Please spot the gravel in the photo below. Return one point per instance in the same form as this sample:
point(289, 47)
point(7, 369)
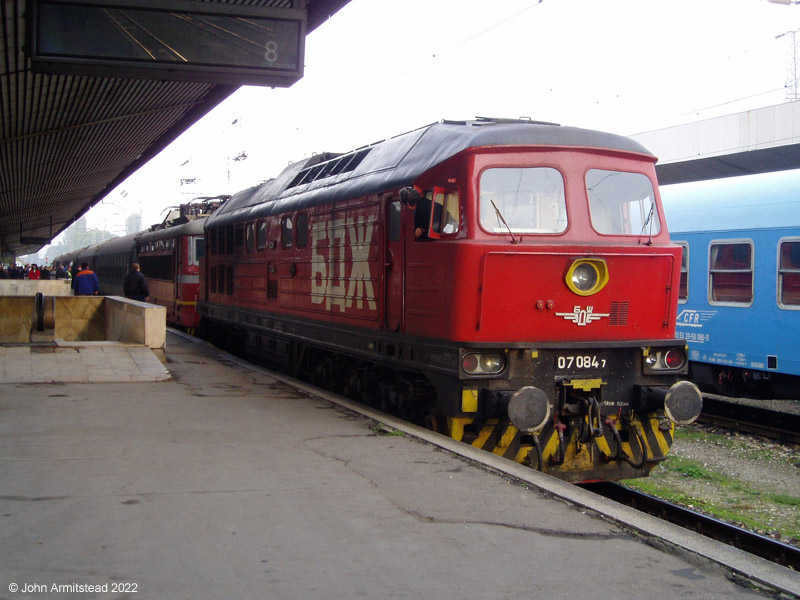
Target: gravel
point(780, 405)
point(754, 473)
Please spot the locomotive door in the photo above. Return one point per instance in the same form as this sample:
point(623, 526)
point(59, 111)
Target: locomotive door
point(394, 266)
point(177, 270)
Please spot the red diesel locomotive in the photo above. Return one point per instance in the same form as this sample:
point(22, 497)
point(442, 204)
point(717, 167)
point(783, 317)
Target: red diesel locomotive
point(509, 283)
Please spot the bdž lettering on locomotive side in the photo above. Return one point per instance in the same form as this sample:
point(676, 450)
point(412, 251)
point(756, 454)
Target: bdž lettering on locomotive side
point(330, 282)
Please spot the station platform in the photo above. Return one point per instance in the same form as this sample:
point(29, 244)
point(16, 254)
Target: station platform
point(226, 480)
point(75, 362)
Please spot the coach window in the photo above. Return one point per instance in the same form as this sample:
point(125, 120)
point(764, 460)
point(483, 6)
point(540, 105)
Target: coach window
point(522, 200)
point(731, 273)
point(286, 232)
point(302, 230)
point(789, 274)
point(622, 203)
point(683, 290)
point(251, 236)
point(261, 242)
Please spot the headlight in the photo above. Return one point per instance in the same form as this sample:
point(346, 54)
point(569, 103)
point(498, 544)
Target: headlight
point(584, 277)
point(483, 363)
point(587, 276)
point(673, 359)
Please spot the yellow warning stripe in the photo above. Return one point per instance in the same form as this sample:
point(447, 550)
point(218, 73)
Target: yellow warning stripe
point(501, 438)
point(173, 301)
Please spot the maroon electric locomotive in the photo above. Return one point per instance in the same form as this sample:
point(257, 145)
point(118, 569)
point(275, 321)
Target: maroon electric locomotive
point(509, 283)
point(169, 254)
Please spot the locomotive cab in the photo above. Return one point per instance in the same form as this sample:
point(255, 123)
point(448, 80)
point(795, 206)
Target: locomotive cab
point(559, 281)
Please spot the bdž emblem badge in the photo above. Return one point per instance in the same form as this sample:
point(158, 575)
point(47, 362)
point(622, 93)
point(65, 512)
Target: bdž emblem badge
point(582, 316)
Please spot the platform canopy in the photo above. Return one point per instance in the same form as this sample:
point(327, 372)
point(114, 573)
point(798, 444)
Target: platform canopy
point(92, 89)
point(762, 140)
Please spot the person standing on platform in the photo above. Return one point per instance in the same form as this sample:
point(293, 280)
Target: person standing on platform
point(61, 272)
point(86, 283)
point(135, 286)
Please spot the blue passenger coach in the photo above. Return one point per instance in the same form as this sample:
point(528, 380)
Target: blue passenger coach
point(739, 302)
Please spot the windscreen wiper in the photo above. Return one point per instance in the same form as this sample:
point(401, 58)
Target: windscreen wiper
point(501, 219)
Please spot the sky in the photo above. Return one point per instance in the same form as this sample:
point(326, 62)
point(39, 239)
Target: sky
point(379, 68)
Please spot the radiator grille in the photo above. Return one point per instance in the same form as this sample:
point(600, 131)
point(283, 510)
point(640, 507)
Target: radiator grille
point(619, 314)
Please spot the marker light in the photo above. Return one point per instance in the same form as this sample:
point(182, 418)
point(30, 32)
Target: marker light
point(483, 363)
point(673, 359)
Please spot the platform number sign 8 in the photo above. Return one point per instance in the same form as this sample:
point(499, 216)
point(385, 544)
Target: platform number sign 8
point(271, 51)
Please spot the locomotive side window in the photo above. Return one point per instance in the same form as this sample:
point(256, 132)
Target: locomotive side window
point(302, 230)
point(789, 274)
point(395, 220)
point(199, 249)
point(524, 200)
point(229, 240)
point(286, 232)
point(229, 281)
point(444, 220)
point(251, 237)
point(622, 203)
point(730, 273)
point(683, 291)
point(261, 241)
point(239, 237)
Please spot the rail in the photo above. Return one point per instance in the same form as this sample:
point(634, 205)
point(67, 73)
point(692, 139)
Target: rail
point(770, 423)
point(748, 541)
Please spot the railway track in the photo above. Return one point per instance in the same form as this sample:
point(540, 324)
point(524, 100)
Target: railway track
point(748, 541)
point(783, 426)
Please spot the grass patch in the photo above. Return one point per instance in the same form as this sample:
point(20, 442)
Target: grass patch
point(384, 429)
point(785, 500)
point(690, 468)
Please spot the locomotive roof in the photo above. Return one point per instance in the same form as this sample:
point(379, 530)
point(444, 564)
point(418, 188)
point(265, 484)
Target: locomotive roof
point(194, 227)
point(763, 201)
point(398, 161)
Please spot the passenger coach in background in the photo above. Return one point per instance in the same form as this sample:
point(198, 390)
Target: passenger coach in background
point(509, 283)
point(739, 306)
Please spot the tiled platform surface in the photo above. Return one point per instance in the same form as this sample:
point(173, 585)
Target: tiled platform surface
point(93, 362)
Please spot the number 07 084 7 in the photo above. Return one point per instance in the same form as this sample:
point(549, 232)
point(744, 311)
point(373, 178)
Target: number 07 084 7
point(581, 361)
